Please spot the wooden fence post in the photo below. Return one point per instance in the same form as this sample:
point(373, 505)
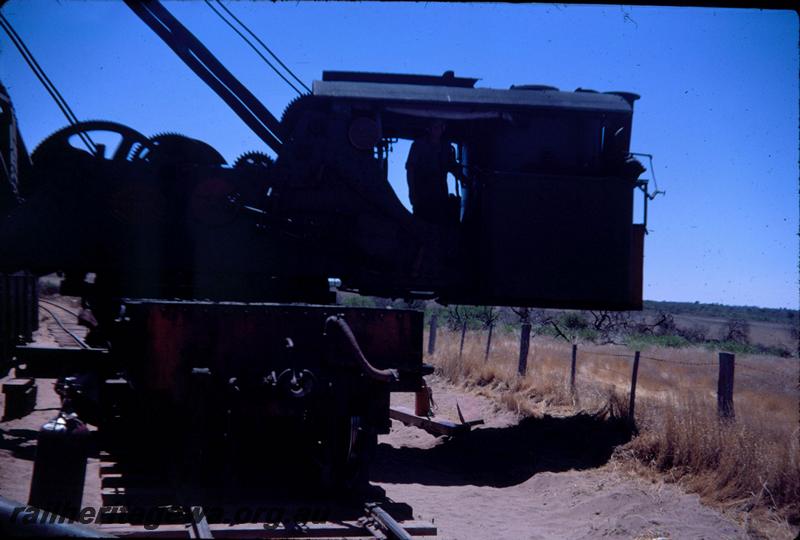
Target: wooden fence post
point(488, 343)
point(463, 334)
point(524, 344)
point(432, 335)
point(725, 386)
point(572, 368)
point(634, 376)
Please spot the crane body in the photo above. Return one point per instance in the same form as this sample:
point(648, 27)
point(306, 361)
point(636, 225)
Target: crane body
point(209, 282)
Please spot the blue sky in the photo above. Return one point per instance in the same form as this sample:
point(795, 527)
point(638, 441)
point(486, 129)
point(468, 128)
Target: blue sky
point(719, 107)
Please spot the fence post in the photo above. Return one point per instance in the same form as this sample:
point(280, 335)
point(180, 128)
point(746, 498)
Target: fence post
point(572, 368)
point(463, 334)
point(634, 376)
point(524, 343)
point(488, 343)
point(432, 335)
point(725, 386)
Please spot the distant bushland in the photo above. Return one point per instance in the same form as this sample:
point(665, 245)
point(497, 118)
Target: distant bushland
point(722, 311)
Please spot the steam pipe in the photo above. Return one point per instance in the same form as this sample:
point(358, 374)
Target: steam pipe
point(383, 375)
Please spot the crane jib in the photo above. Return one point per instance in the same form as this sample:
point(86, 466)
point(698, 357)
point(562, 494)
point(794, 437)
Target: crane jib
point(206, 66)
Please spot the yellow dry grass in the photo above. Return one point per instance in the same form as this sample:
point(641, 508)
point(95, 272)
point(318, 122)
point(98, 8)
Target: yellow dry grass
point(751, 465)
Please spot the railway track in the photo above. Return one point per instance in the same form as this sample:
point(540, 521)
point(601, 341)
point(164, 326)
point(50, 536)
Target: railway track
point(62, 324)
point(145, 502)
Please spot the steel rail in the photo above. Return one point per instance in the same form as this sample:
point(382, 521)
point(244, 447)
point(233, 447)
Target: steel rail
point(60, 307)
point(80, 342)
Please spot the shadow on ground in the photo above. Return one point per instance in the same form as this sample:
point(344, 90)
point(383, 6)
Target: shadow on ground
point(501, 457)
point(21, 442)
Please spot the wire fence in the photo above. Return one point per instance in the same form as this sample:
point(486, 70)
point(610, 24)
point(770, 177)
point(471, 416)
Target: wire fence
point(712, 363)
point(623, 364)
point(679, 362)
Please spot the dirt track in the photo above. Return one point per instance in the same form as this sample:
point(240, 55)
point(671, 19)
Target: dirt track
point(535, 478)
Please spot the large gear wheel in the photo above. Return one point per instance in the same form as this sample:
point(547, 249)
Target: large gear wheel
point(294, 111)
point(57, 145)
point(253, 159)
point(176, 148)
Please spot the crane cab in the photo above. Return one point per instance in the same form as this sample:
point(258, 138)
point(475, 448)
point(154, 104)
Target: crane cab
point(545, 205)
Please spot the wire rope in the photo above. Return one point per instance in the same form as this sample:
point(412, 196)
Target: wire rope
point(264, 58)
point(284, 66)
point(40, 74)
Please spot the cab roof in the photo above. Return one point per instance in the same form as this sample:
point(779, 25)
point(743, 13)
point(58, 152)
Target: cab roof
point(458, 92)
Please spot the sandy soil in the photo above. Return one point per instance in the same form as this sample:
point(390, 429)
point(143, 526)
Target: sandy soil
point(532, 478)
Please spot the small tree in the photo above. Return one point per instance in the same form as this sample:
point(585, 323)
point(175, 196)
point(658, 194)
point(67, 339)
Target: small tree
point(737, 331)
point(695, 334)
point(488, 316)
point(524, 338)
point(459, 318)
point(610, 325)
point(568, 326)
point(663, 324)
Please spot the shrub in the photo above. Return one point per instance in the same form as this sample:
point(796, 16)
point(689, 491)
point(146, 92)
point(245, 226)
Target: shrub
point(694, 334)
point(737, 331)
point(646, 341)
point(573, 321)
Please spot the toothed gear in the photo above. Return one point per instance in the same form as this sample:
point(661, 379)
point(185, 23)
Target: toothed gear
point(57, 145)
point(293, 111)
point(253, 159)
point(177, 148)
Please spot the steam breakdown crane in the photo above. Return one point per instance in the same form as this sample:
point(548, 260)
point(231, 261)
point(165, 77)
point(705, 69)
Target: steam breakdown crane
point(210, 283)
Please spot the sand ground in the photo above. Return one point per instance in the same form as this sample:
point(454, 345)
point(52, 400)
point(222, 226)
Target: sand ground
point(514, 479)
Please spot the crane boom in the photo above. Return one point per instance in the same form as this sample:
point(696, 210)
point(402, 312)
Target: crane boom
point(206, 66)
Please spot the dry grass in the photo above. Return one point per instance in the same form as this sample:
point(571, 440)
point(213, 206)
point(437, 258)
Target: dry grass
point(544, 385)
point(750, 466)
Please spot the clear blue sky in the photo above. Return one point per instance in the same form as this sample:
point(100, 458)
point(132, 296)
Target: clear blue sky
point(719, 107)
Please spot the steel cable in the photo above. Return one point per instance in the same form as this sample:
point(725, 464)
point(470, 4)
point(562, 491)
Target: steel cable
point(665, 361)
point(643, 357)
point(616, 355)
point(210, 70)
point(590, 367)
point(264, 58)
point(45, 80)
point(690, 364)
point(296, 78)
